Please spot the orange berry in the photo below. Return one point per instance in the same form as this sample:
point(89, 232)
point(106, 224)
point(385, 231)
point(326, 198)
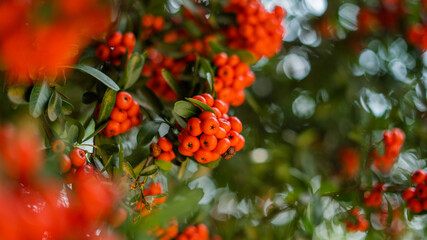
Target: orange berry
point(136, 120)
point(415, 206)
point(118, 115)
point(164, 144)
point(221, 59)
point(114, 39)
point(226, 72)
point(183, 134)
point(124, 100)
point(222, 146)
point(225, 124)
point(418, 176)
point(167, 156)
point(147, 20)
point(409, 193)
point(118, 53)
point(209, 99)
point(206, 114)
point(421, 190)
point(239, 83)
point(191, 143)
point(194, 126)
point(112, 128)
point(103, 52)
point(202, 156)
point(236, 124)
point(240, 144)
point(65, 163)
point(233, 60)
point(58, 146)
point(200, 98)
point(125, 125)
point(217, 112)
point(158, 23)
point(221, 133)
point(184, 152)
point(210, 126)
point(208, 142)
point(233, 136)
point(118, 217)
point(134, 110)
point(78, 157)
point(221, 105)
point(129, 41)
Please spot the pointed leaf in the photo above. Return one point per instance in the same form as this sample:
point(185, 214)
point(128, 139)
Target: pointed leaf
point(170, 81)
point(100, 76)
point(39, 98)
point(186, 109)
point(207, 68)
point(129, 170)
point(99, 129)
point(150, 170)
point(55, 106)
point(164, 165)
point(200, 104)
point(67, 107)
point(107, 105)
point(133, 70)
point(81, 129)
point(147, 132)
point(212, 164)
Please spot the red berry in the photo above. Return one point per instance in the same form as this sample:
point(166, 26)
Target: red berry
point(124, 100)
point(408, 194)
point(415, 206)
point(418, 176)
point(114, 39)
point(78, 157)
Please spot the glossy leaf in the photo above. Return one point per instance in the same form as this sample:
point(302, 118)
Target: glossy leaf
point(39, 98)
point(107, 105)
point(164, 165)
point(185, 109)
point(200, 104)
point(67, 107)
point(147, 132)
point(81, 129)
point(100, 76)
point(150, 170)
point(129, 170)
point(54, 107)
point(170, 81)
point(133, 70)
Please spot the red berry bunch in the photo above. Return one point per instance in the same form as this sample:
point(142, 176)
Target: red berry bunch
point(201, 47)
point(125, 115)
point(165, 152)
point(393, 141)
point(258, 31)
point(199, 232)
point(117, 45)
point(232, 77)
point(375, 197)
point(76, 158)
point(153, 70)
point(211, 135)
point(416, 197)
point(151, 24)
point(359, 223)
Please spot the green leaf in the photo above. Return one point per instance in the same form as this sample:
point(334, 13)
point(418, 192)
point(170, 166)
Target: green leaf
point(39, 98)
point(109, 149)
point(18, 94)
point(186, 109)
point(150, 170)
point(107, 105)
point(129, 170)
point(164, 165)
point(99, 129)
point(54, 106)
point(67, 107)
point(133, 70)
point(81, 129)
point(200, 104)
point(107, 164)
point(100, 76)
point(212, 164)
point(147, 132)
point(390, 213)
point(245, 56)
point(206, 67)
point(216, 48)
point(170, 81)
point(192, 29)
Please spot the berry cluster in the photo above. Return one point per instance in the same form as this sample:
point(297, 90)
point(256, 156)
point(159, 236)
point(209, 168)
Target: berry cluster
point(154, 189)
point(46, 207)
point(153, 70)
point(375, 197)
point(358, 221)
point(211, 135)
point(258, 31)
point(201, 47)
point(162, 149)
point(125, 114)
point(167, 233)
point(393, 141)
point(116, 47)
point(416, 197)
point(151, 24)
point(76, 158)
point(231, 78)
point(200, 232)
